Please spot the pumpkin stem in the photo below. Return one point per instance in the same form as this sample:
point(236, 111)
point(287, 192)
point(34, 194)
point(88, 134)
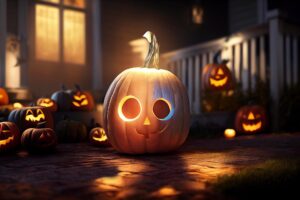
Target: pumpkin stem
point(41, 125)
point(152, 58)
point(63, 87)
point(77, 87)
point(97, 125)
point(217, 57)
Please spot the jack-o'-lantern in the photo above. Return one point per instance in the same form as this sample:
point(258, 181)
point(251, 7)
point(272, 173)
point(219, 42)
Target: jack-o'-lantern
point(229, 133)
point(146, 110)
point(217, 76)
point(4, 100)
point(47, 103)
point(81, 100)
point(250, 119)
point(98, 136)
point(30, 117)
point(63, 99)
point(9, 136)
point(39, 139)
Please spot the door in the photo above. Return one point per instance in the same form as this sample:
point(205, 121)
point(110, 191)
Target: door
point(57, 45)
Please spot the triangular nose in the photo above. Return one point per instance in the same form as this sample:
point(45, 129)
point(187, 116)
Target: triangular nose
point(251, 116)
point(147, 122)
point(220, 72)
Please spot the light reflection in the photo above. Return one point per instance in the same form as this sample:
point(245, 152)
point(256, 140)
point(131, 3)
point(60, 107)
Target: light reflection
point(166, 191)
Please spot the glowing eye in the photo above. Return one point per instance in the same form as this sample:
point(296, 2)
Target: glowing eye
point(162, 109)
point(129, 108)
point(39, 112)
point(29, 112)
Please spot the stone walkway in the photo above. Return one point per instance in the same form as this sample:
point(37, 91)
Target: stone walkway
point(80, 171)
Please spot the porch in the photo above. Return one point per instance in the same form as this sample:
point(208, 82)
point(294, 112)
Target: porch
point(265, 55)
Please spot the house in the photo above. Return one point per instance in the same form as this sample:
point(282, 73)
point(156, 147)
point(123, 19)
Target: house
point(47, 43)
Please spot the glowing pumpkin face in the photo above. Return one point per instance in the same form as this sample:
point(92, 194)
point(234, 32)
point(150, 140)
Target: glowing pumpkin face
point(98, 137)
point(250, 119)
point(30, 117)
point(216, 77)
point(4, 100)
point(146, 110)
point(47, 103)
point(9, 136)
point(81, 100)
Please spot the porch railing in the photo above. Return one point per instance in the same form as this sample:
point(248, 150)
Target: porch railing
point(268, 53)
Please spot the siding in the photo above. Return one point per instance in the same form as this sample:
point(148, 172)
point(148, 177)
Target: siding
point(242, 14)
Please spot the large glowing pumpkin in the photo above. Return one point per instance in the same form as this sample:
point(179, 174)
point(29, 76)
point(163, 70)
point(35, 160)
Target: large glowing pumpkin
point(250, 119)
point(30, 117)
point(9, 136)
point(217, 76)
point(4, 100)
point(146, 110)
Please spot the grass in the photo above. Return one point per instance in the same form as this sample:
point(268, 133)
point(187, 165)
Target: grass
point(271, 179)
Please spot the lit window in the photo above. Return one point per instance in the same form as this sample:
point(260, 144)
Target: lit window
point(74, 37)
point(47, 33)
point(52, 1)
point(75, 3)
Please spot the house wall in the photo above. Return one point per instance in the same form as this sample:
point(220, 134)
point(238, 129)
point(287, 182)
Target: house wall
point(126, 20)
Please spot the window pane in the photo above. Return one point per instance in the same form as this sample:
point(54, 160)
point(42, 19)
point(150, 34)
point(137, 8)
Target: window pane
point(46, 33)
point(75, 3)
point(52, 1)
point(74, 37)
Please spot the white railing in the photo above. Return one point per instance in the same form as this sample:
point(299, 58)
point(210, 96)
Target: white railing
point(267, 53)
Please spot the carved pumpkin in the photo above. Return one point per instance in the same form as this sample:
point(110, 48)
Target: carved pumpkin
point(146, 110)
point(217, 76)
point(30, 117)
point(39, 139)
point(98, 136)
point(9, 136)
point(250, 119)
point(71, 131)
point(4, 100)
point(47, 103)
point(229, 133)
point(81, 100)
point(63, 99)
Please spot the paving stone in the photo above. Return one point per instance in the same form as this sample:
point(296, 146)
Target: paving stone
point(80, 171)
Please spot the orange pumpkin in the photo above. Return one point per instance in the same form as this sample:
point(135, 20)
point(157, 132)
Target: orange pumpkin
point(217, 76)
point(81, 100)
point(251, 119)
point(146, 110)
point(4, 100)
point(47, 103)
point(98, 137)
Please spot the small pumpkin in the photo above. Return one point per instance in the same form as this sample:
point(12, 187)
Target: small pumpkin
point(9, 136)
point(47, 103)
point(146, 110)
point(251, 119)
point(4, 100)
point(81, 100)
point(71, 131)
point(39, 139)
point(30, 117)
point(217, 76)
point(98, 136)
point(63, 99)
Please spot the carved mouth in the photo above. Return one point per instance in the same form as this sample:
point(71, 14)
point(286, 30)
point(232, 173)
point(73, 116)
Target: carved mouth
point(78, 103)
point(156, 132)
point(46, 104)
point(7, 140)
point(35, 119)
point(218, 83)
point(252, 127)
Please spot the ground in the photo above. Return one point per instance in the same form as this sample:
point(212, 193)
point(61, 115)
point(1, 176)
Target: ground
point(80, 171)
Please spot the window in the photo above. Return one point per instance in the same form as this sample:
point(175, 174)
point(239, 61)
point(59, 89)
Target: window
point(60, 31)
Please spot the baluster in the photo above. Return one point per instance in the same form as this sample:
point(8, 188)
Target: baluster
point(253, 64)
point(295, 60)
point(288, 71)
point(262, 59)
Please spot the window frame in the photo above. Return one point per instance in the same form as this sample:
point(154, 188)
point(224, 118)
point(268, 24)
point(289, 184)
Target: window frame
point(61, 7)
